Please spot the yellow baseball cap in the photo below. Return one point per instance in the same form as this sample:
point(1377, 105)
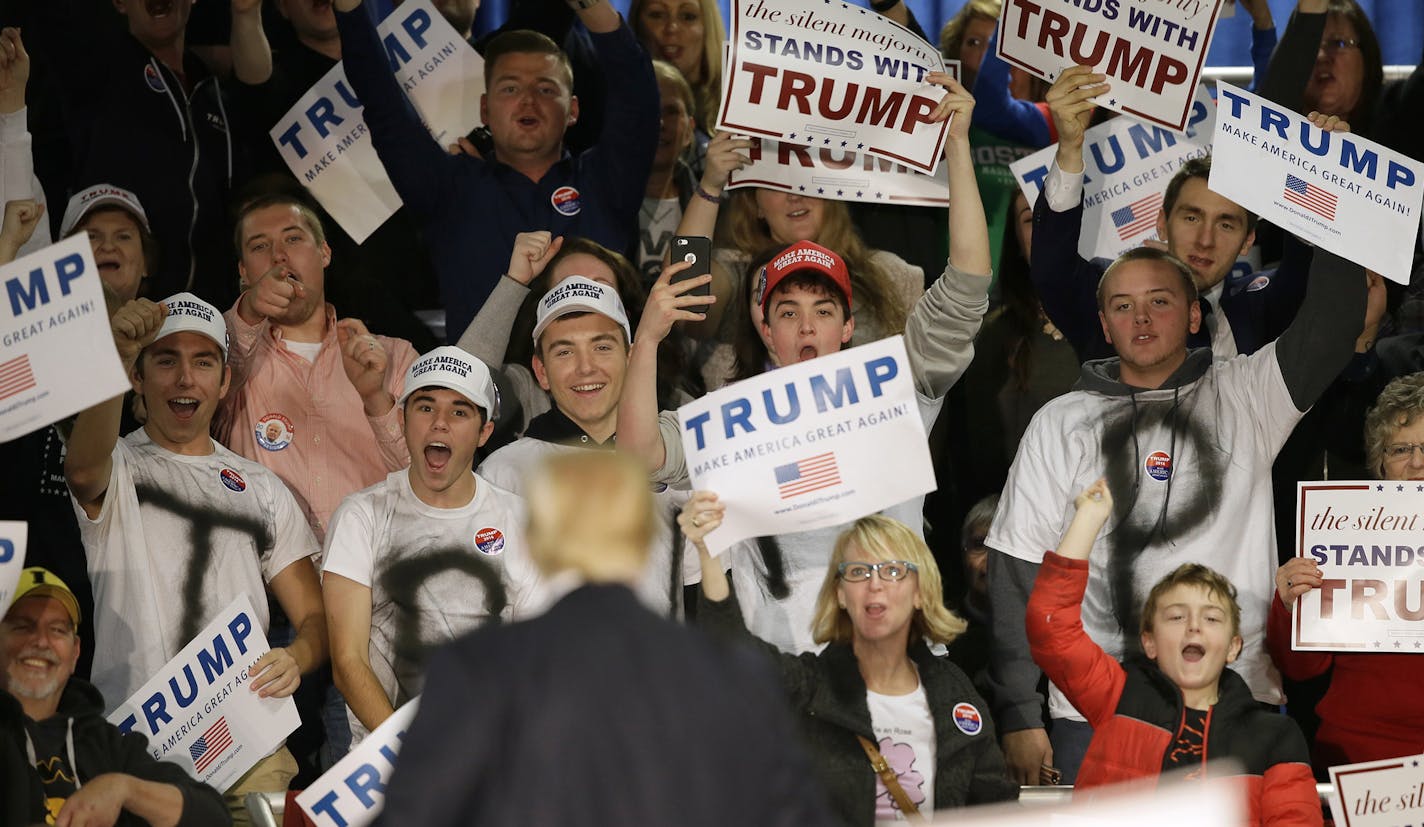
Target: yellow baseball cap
point(41, 582)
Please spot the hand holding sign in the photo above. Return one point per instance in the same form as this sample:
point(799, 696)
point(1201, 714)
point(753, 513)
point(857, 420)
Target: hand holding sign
point(532, 253)
point(276, 674)
point(700, 516)
point(14, 70)
point(670, 302)
point(725, 155)
point(958, 102)
point(135, 326)
point(1298, 576)
point(1071, 101)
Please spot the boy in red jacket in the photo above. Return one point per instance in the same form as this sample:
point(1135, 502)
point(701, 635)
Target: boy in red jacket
point(1179, 705)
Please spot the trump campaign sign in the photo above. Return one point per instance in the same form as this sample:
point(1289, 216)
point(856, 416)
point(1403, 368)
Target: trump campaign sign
point(199, 712)
point(1152, 51)
point(1350, 195)
point(353, 792)
point(57, 353)
point(832, 75)
point(1127, 164)
point(810, 445)
point(12, 557)
point(1366, 538)
point(324, 140)
point(1386, 793)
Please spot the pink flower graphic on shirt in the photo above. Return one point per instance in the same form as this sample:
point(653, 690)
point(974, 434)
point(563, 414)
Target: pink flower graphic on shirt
point(902, 758)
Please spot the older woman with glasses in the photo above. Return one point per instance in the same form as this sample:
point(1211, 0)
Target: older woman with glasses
point(1369, 711)
point(876, 705)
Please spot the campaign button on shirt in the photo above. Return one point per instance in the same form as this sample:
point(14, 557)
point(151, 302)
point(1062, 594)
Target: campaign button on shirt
point(1159, 465)
point(274, 432)
point(490, 541)
point(566, 200)
point(233, 480)
point(154, 79)
point(968, 719)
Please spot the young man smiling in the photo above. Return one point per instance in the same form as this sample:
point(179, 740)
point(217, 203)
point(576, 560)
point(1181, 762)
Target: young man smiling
point(430, 552)
point(581, 343)
point(175, 526)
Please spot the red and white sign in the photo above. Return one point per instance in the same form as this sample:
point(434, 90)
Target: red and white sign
point(1152, 53)
point(833, 76)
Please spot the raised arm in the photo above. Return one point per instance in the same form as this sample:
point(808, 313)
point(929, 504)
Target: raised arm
point(999, 112)
point(89, 459)
point(639, 431)
point(1321, 340)
point(420, 169)
point(939, 334)
point(17, 167)
point(1294, 57)
point(251, 53)
point(725, 154)
point(1090, 679)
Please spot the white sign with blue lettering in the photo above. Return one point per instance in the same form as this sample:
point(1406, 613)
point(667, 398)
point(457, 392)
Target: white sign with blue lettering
point(810, 445)
point(12, 558)
point(1364, 536)
point(199, 711)
point(1151, 53)
point(832, 76)
point(57, 354)
point(324, 139)
point(1127, 164)
point(353, 792)
point(1350, 195)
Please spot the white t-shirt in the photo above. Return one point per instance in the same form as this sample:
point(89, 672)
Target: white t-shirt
point(179, 538)
point(905, 735)
point(430, 572)
point(667, 569)
point(1193, 467)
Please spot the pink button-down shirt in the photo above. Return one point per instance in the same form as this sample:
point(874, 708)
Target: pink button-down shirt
point(304, 420)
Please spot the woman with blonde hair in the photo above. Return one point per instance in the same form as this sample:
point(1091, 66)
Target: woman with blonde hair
point(639, 719)
point(876, 690)
point(688, 34)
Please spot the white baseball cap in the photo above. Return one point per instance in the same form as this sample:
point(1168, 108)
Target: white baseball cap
point(188, 312)
point(452, 368)
point(101, 195)
point(577, 294)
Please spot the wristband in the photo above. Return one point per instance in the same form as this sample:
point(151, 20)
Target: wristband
point(707, 196)
point(882, 6)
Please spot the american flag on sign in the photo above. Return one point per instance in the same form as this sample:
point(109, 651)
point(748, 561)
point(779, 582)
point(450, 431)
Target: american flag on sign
point(1138, 217)
point(16, 376)
point(210, 745)
point(1318, 200)
point(810, 474)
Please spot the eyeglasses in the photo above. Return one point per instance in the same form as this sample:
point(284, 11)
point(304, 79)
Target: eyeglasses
point(1336, 44)
point(1401, 451)
point(889, 571)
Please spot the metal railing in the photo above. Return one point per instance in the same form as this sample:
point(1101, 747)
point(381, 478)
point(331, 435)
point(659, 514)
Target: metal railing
point(1041, 796)
point(1241, 75)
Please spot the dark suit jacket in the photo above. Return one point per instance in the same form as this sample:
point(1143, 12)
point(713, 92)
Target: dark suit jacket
point(600, 713)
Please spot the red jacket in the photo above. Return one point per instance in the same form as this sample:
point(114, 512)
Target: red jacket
point(1135, 710)
point(1371, 710)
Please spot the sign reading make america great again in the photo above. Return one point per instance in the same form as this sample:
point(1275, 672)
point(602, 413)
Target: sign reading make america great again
point(200, 712)
point(353, 792)
point(832, 75)
point(810, 445)
point(1151, 50)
